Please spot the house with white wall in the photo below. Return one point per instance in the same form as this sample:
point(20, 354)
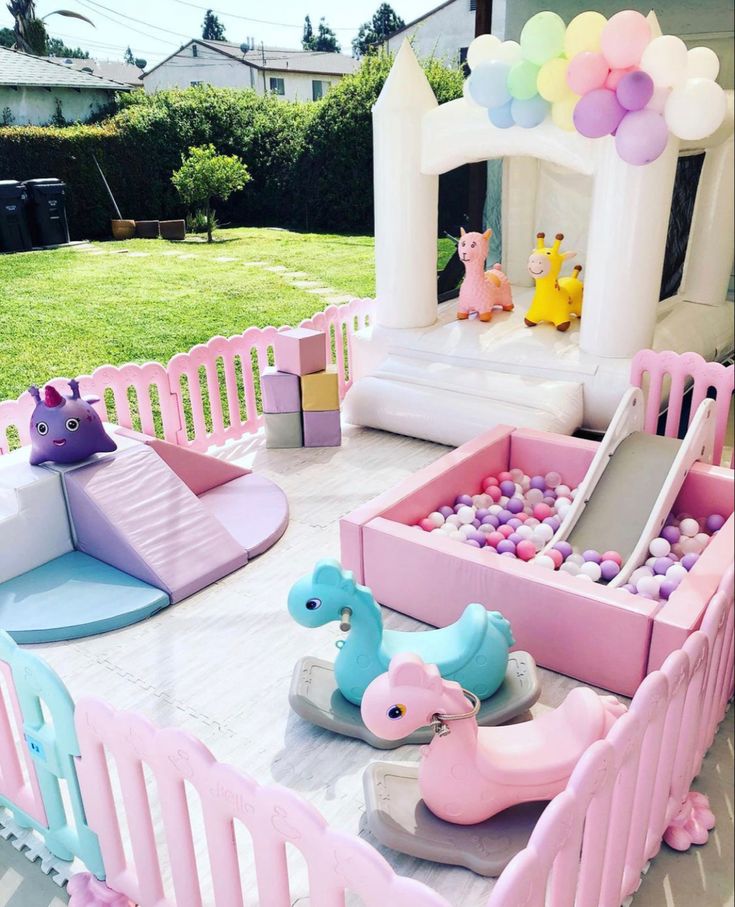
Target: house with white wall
point(444, 32)
point(34, 91)
point(294, 75)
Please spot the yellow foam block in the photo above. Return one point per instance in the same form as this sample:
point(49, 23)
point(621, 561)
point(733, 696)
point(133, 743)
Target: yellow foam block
point(320, 391)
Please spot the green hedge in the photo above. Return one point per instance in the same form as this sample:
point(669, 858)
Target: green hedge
point(311, 163)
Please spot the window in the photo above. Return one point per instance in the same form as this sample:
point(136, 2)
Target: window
point(463, 61)
point(277, 86)
point(194, 50)
point(319, 89)
point(195, 84)
point(473, 6)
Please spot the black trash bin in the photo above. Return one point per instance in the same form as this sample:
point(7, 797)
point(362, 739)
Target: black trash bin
point(15, 235)
point(48, 212)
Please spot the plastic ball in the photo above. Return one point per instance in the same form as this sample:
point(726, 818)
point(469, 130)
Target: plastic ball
point(671, 534)
point(476, 523)
point(665, 60)
point(538, 482)
point(609, 570)
point(525, 550)
point(463, 499)
point(505, 530)
point(629, 587)
point(556, 557)
point(640, 572)
point(504, 477)
point(571, 569)
point(695, 109)
point(472, 543)
point(488, 481)
point(502, 116)
point(494, 493)
point(648, 585)
point(584, 33)
point(641, 137)
point(562, 113)
point(659, 547)
point(714, 522)
point(542, 511)
point(624, 38)
point(575, 559)
point(505, 547)
point(552, 479)
point(427, 525)
point(666, 589)
point(489, 84)
point(676, 573)
point(466, 514)
point(467, 530)
point(612, 556)
point(585, 576)
point(545, 561)
point(542, 37)
point(689, 527)
point(552, 80)
point(436, 518)
point(689, 560)
point(508, 487)
point(525, 532)
point(564, 548)
point(635, 90)
point(586, 72)
point(591, 569)
point(490, 520)
point(482, 50)
point(702, 539)
point(702, 62)
point(661, 565)
point(598, 113)
point(514, 523)
point(529, 113)
point(479, 537)
point(591, 556)
point(494, 538)
point(494, 509)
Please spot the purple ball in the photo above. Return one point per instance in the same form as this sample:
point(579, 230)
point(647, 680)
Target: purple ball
point(473, 542)
point(476, 523)
point(480, 538)
point(689, 560)
point(635, 90)
point(505, 515)
point(714, 522)
point(671, 534)
point(515, 505)
point(591, 555)
point(506, 547)
point(609, 570)
point(482, 513)
point(446, 511)
point(508, 488)
point(565, 548)
point(514, 523)
point(667, 588)
point(548, 500)
point(538, 482)
point(661, 565)
point(515, 538)
point(641, 137)
point(598, 113)
point(629, 587)
point(490, 520)
point(463, 500)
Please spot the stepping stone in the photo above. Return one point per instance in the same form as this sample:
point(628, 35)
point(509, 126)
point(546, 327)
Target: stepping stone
point(305, 284)
point(139, 254)
point(322, 291)
point(182, 257)
point(277, 269)
point(338, 300)
point(254, 264)
point(224, 258)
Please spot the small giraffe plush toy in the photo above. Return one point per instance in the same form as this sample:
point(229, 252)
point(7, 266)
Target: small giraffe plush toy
point(556, 298)
point(481, 290)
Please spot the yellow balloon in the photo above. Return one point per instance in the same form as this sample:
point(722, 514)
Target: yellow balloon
point(552, 80)
point(562, 112)
point(583, 33)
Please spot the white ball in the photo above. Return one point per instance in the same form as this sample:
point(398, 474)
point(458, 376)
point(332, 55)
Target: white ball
point(574, 493)
point(703, 539)
point(562, 491)
point(571, 569)
point(525, 483)
point(703, 62)
point(516, 474)
point(689, 527)
point(647, 585)
point(591, 569)
point(543, 560)
point(503, 501)
point(659, 547)
point(436, 518)
point(453, 520)
point(494, 509)
point(640, 573)
point(467, 530)
point(676, 573)
point(519, 490)
point(532, 522)
point(695, 109)
point(665, 60)
point(543, 531)
point(483, 49)
point(477, 501)
point(575, 558)
point(525, 532)
point(651, 561)
point(584, 576)
point(439, 529)
point(534, 496)
point(466, 514)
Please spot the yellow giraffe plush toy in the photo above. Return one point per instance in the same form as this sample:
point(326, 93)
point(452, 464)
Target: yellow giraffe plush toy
point(556, 299)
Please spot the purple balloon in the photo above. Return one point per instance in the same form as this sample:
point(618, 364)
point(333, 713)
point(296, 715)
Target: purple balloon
point(598, 113)
point(635, 90)
point(641, 137)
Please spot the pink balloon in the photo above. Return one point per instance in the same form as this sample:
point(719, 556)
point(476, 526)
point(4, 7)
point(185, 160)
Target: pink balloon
point(659, 98)
point(635, 90)
point(613, 80)
point(598, 113)
point(641, 137)
point(624, 38)
point(587, 71)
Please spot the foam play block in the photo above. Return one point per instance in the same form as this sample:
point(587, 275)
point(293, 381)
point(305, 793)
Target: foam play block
point(72, 596)
point(34, 527)
point(283, 430)
point(281, 391)
point(322, 429)
point(320, 391)
point(133, 512)
point(300, 351)
point(252, 509)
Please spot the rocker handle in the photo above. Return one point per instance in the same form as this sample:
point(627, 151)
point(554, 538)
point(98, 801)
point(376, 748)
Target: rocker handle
point(345, 620)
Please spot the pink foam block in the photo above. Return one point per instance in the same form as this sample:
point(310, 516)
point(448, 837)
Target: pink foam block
point(281, 391)
point(301, 351)
point(322, 429)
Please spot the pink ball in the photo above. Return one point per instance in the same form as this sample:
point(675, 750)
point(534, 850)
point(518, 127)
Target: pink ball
point(587, 71)
point(624, 38)
point(488, 481)
point(505, 530)
point(494, 492)
point(493, 538)
point(427, 525)
point(542, 511)
point(612, 556)
point(525, 550)
point(598, 113)
point(556, 556)
point(504, 477)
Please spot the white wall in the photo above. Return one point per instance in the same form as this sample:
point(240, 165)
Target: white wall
point(441, 35)
point(36, 106)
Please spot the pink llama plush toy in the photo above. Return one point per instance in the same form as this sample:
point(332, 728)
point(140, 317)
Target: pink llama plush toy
point(481, 290)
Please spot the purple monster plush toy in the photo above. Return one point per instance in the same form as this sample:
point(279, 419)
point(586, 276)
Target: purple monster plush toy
point(65, 429)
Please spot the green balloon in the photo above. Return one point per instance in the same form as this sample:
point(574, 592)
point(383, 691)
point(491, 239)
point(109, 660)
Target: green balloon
point(522, 80)
point(543, 37)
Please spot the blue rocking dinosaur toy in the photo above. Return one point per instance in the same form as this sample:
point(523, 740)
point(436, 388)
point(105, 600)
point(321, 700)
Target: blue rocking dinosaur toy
point(473, 651)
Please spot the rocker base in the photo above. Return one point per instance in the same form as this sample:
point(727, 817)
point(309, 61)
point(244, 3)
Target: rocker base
point(314, 697)
point(397, 818)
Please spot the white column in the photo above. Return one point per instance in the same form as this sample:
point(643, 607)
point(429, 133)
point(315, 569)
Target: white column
point(406, 201)
point(520, 182)
point(709, 256)
point(625, 251)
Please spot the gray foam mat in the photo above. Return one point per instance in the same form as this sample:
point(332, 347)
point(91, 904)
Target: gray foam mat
point(314, 697)
point(397, 817)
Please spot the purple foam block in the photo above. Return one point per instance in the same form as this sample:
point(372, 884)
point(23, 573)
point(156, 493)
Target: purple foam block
point(281, 391)
point(322, 429)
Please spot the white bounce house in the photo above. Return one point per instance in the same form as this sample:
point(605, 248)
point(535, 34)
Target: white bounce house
point(421, 372)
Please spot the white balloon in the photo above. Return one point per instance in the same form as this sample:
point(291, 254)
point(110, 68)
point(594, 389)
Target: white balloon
point(509, 52)
point(665, 60)
point(702, 62)
point(482, 50)
point(695, 109)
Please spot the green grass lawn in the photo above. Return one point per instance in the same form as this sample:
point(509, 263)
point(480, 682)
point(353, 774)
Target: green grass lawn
point(65, 313)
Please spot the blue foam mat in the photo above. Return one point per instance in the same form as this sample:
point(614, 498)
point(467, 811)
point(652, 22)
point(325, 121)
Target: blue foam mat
point(73, 596)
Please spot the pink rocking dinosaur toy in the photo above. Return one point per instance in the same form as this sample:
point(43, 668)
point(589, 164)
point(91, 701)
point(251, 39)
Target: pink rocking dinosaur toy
point(469, 774)
point(481, 290)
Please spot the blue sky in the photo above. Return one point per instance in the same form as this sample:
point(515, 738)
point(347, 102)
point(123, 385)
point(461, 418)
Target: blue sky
point(163, 25)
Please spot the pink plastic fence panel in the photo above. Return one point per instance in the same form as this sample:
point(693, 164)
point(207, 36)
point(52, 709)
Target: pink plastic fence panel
point(16, 414)
point(274, 817)
point(684, 370)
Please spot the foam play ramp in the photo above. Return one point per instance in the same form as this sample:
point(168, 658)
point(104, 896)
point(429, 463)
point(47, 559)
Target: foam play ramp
point(314, 696)
point(398, 818)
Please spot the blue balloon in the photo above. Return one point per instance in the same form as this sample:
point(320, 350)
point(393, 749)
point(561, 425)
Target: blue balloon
point(489, 83)
point(529, 113)
point(501, 116)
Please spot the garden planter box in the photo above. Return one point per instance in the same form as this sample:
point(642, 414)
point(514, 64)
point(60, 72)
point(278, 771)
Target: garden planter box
point(147, 229)
point(173, 229)
point(602, 636)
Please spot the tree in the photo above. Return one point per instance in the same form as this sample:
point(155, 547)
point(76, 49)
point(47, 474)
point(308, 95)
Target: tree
point(324, 40)
point(57, 48)
point(307, 38)
point(372, 34)
point(29, 32)
point(205, 175)
point(7, 38)
point(128, 57)
point(212, 28)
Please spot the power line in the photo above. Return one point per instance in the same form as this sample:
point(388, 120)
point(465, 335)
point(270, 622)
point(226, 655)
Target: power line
point(92, 9)
point(220, 12)
point(139, 21)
